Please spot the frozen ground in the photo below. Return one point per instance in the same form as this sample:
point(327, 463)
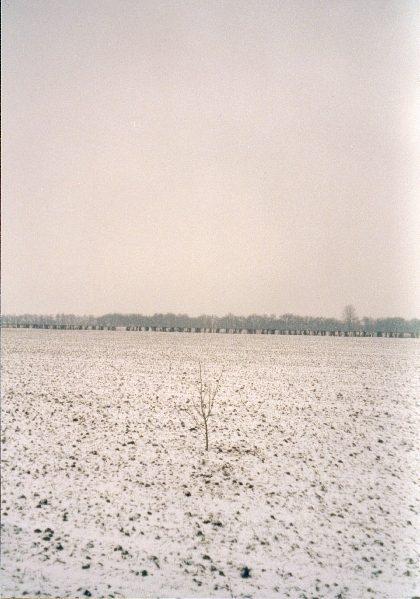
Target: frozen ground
point(309, 481)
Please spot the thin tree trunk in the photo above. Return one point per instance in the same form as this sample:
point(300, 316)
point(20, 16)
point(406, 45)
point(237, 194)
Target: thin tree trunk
point(207, 435)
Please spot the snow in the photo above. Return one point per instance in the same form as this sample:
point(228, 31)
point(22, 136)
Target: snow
point(310, 481)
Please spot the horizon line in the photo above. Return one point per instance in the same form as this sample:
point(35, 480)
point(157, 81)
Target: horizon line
point(198, 315)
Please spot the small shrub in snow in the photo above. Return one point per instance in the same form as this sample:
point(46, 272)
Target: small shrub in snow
point(204, 410)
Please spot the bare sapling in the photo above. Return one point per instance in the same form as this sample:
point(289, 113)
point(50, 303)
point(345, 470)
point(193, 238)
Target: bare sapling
point(207, 396)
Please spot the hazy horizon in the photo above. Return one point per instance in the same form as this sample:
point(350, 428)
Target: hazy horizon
point(210, 157)
point(339, 317)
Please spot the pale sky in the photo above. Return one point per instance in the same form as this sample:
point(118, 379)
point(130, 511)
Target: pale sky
point(210, 156)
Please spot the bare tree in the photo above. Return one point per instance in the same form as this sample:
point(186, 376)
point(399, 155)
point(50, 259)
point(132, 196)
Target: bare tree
point(207, 396)
point(350, 317)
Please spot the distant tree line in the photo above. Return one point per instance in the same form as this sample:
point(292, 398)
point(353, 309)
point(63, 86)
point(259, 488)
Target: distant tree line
point(349, 322)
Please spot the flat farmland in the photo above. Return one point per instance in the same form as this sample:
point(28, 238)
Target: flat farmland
point(308, 488)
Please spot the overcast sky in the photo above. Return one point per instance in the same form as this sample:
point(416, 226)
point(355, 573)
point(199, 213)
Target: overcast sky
point(209, 156)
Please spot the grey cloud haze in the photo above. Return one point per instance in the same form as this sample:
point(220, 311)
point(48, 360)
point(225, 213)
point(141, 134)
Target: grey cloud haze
point(209, 156)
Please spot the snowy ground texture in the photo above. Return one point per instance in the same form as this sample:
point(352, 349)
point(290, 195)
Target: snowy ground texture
point(309, 481)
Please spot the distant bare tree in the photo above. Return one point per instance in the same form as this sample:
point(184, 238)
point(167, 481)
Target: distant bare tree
point(350, 317)
point(207, 396)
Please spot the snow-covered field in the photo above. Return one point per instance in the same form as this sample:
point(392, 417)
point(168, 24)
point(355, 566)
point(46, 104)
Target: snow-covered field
point(309, 481)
